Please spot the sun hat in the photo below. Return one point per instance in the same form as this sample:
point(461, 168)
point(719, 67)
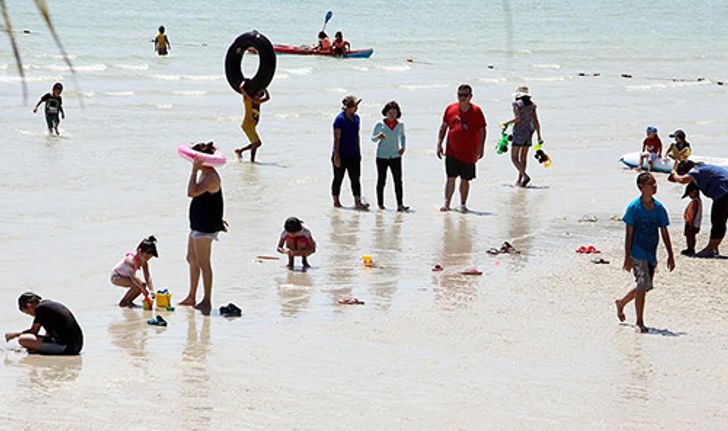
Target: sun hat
point(521, 91)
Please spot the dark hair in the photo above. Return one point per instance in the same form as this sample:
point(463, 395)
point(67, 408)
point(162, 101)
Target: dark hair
point(391, 105)
point(643, 177)
point(58, 86)
point(464, 87)
point(207, 148)
point(28, 298)
point(685, 166)
point(161, 29)
point(149, 245)
point(338, 34)
point(526, 100)
point(322, 35)
point(293, 224)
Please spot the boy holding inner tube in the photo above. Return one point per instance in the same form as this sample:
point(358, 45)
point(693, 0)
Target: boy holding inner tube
point(251, 119)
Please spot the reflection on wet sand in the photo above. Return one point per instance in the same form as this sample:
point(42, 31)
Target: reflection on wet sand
point(387, 248)
point(49, 372)
point(454, 290)
point(131, 334)
point(344, 246)
point(294, 292)
point(197, 405)
point(523, 208)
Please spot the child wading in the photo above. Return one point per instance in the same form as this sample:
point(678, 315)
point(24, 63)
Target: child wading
point(161, 42)
point(251, 104)
point(124, 273)
point(298, 242)
point(644, 217)
point(53, 107)
point(693, 217)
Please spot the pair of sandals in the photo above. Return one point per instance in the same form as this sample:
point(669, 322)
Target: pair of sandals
point(505, 248)
point(157, 321)
point(230, 310)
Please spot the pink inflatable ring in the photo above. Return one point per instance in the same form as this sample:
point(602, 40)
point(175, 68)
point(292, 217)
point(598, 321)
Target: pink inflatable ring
point(211, 160)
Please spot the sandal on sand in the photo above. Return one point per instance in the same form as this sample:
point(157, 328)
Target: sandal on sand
point(437, 268)
point(472, 271)
point(230, 310)
point(157, 321)
point(706, 254)
point(600, 261)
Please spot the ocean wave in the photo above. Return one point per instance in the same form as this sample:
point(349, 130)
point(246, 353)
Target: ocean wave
point(188, 77)
point(298, 71)
point(666, 84)
point(421, 86)
point(555, 66)
point(164, 106)
point(286, 116)
point(337, 90)
point(63, 68)
point(189, 93)
point(119, 93)
point(492, 80)
point(54, 56)
point(402, 68)
point(281, 75)
point(3, 67)
point(142, 66)
point(544, 79)
point(16, 79)
point(361, 68)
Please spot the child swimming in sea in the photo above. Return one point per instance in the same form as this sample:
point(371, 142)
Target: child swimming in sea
point(298, 242)
point(53, 107)
point(251, 104)
point(124, 273)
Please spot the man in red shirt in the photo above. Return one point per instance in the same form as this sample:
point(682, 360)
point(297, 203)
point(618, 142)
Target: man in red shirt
point(464, 124)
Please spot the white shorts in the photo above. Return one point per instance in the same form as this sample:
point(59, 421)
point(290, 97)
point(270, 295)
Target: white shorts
point(197, 234)
point(650, 156)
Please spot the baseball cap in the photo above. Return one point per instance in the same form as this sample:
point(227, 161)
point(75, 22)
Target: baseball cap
point(350, 101)
point(651, 129)
point(677, 132)
point(689, 188)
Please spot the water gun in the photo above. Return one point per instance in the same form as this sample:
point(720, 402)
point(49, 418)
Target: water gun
point(541, 155)
point(502, 145)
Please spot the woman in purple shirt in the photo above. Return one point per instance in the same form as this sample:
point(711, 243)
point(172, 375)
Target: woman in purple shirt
point(713, 182)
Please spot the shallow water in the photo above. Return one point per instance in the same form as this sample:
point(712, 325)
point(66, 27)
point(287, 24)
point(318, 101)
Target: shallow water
point(519, 347)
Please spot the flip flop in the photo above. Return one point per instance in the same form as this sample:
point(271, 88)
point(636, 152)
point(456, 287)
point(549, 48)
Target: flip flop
point(230, 310)
point(437, 268)
point(472, 271)
point(600, 261)
point(706, 254)
point(350, 300)
point(157, 321)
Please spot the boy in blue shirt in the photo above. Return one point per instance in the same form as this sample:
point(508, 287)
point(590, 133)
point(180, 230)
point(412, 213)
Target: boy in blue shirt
point(644, 217)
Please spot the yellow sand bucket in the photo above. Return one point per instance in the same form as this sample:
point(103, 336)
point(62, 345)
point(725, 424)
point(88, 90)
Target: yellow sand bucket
point(367, 261)
point(164, 300)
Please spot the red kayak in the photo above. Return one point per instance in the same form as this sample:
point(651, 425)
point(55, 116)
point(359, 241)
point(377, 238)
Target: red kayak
point(306, 50)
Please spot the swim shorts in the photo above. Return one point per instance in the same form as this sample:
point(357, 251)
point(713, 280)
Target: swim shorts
point(455, 168)
point(644, 273)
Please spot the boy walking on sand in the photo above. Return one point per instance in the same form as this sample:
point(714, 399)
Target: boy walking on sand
point(643, 218)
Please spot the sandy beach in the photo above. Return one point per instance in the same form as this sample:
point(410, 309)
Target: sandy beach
point(532, 343)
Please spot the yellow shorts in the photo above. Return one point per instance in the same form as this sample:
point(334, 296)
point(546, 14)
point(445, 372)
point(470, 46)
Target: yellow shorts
point(250, 132)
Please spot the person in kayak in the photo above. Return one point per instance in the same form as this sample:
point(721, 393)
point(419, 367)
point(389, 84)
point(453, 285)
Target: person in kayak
point(324, 43)
point(251, 119)
point(341, 47)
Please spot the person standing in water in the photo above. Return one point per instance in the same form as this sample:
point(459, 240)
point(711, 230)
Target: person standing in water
point(346, 156)
point(390, 139)
point(206, 222)
point(464, 124)
point(251, 103)
point(53, 108)
point(525, 122)
point(161, 42)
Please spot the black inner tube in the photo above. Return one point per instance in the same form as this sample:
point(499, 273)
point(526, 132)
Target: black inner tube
point(234, 62)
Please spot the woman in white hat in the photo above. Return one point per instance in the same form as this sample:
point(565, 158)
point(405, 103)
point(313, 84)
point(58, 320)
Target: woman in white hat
point(525, 121)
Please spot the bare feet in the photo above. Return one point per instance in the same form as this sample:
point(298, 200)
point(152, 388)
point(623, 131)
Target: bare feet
point(239, 154)
point(204, 307)
point(337, 202)
point(445, 208)
point(381, 207)
point(641, 328)
point(305, 264)
point(525, 181)
point(464, 209)
point(129, 305)
point(189, 301)
point(620, 311)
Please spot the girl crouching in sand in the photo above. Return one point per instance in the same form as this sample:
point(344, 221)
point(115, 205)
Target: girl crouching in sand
point(298, 242)
point(124, 274)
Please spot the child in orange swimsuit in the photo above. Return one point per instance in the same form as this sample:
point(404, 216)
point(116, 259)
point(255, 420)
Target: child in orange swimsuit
point(298, 242)
point(251, 119)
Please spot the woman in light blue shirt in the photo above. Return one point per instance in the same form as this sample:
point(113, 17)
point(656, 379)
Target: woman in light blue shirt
point(390, 139)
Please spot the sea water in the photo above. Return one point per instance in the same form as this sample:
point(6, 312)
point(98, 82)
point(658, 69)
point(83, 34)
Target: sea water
point(71, 206)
